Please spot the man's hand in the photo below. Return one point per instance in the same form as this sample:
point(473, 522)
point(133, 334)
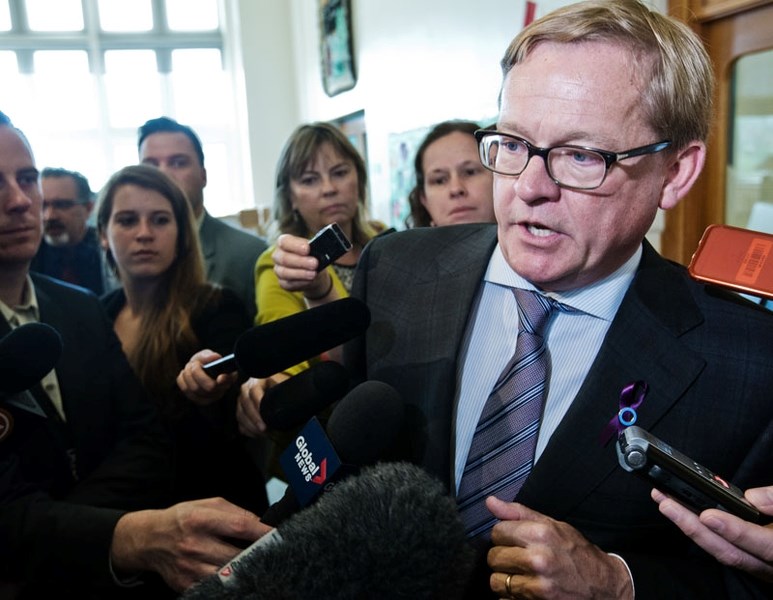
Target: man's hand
point(183, 543)
point(549, 558)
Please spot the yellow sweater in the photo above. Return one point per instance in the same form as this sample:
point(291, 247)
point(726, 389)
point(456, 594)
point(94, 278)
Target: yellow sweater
point(274, 303)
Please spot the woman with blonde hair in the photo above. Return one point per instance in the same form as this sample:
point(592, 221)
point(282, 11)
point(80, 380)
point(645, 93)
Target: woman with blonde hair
point(320, 179)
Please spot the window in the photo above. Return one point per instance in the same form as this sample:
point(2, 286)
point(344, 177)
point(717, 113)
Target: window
point(80, 76)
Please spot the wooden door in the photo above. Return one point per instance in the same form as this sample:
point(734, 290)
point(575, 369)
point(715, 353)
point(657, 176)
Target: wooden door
point(731, 29)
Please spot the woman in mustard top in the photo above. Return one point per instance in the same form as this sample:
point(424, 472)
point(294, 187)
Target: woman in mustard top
point(321, 179)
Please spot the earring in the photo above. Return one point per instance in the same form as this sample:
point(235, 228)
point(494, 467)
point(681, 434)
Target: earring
point(296, 216)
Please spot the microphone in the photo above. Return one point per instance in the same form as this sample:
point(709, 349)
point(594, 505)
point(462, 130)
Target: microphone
point(277, 345)
point(290, 404)
point(362, 429)
point(27, 354)
point(390, 532)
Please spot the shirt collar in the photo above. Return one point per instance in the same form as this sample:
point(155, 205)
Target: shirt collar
point(25, 311)
point(600, 299)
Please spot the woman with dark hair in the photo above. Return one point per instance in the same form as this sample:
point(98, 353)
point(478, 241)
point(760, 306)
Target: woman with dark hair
point(164, 312)
point(452, 186)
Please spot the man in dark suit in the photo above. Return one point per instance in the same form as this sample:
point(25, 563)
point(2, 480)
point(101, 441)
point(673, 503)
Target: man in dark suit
point(571, 223)
point(84, 466)
point(229, 253)
point(70, 248)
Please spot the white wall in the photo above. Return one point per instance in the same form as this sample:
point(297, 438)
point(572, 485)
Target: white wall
point(418, 62)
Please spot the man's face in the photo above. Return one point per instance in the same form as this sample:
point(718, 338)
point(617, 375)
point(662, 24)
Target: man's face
point(20, 201)
point(583, 94)
point(174, 154)
point(64, 215)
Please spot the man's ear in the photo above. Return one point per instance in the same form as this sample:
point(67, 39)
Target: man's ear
point(683, 170)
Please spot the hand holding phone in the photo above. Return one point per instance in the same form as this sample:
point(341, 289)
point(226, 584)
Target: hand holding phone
point(677, 475)
point(329, 244)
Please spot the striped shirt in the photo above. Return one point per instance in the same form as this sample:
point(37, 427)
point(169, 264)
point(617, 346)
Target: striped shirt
point(573, 341)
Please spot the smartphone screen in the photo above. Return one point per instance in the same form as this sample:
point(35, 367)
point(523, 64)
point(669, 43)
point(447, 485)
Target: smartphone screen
point(735, 258)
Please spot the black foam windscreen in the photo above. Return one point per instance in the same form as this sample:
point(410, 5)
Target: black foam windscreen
point(27, 354)
point(363, 428)
point(278, 345)
point(290, 404)
point(389, 532)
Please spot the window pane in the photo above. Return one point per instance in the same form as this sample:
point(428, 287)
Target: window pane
point(65, 92)
point(120, 15)
point(17, 96)
point(5, 16)
point(750, 158)
point(55, 15)
point(133, 87)
point(192, 71)
point(8, 64)
point(192, 15)
point(79, 151)
point(219, 196)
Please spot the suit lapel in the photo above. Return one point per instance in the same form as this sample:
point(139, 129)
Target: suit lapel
point(208, 240)
point(642, 345)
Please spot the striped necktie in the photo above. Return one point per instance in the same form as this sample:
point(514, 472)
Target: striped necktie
point(502, 450)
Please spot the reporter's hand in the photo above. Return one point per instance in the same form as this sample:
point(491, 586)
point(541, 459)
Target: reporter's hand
point(183, 543)
point(549, 558)
point(199, 387)
point(297, 271)
point(731, 540)
point(251, 394)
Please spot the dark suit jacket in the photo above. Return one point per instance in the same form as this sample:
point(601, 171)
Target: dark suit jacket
point(230, 255)
point(83, 264)
point(210, 458)
point(706, 355)
point(63, 486)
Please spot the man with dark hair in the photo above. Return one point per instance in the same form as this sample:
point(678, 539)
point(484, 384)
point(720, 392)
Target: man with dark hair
point(84, 465)
point(70, 249)
point(230, 254)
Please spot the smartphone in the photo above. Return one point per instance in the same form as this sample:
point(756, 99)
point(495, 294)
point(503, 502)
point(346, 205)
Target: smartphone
point(328, 244)
point(677, 475)
point(735, 258)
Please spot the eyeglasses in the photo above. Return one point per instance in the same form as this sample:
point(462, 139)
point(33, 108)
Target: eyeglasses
point(573, 167)
point(60, 204)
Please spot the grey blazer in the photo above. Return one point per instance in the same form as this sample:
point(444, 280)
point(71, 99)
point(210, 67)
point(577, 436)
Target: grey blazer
point(706, 354)
point(230, 255)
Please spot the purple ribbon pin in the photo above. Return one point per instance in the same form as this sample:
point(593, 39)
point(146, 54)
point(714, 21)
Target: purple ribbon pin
point(631, 397)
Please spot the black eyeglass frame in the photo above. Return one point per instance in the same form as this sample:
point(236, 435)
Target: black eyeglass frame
point(610, 158)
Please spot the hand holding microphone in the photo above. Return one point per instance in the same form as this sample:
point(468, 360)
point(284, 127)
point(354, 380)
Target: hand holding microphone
point(275, 346)
point(200, 387)
point(27, 354)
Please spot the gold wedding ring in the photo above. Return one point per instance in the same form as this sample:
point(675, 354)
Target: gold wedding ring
point(507, 585)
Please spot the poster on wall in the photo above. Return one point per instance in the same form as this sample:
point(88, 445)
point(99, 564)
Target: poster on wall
point(402, 150)
point(336, 47)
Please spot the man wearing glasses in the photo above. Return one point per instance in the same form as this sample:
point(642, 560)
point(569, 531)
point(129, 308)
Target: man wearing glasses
point(518, 345)
point(70, 249)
